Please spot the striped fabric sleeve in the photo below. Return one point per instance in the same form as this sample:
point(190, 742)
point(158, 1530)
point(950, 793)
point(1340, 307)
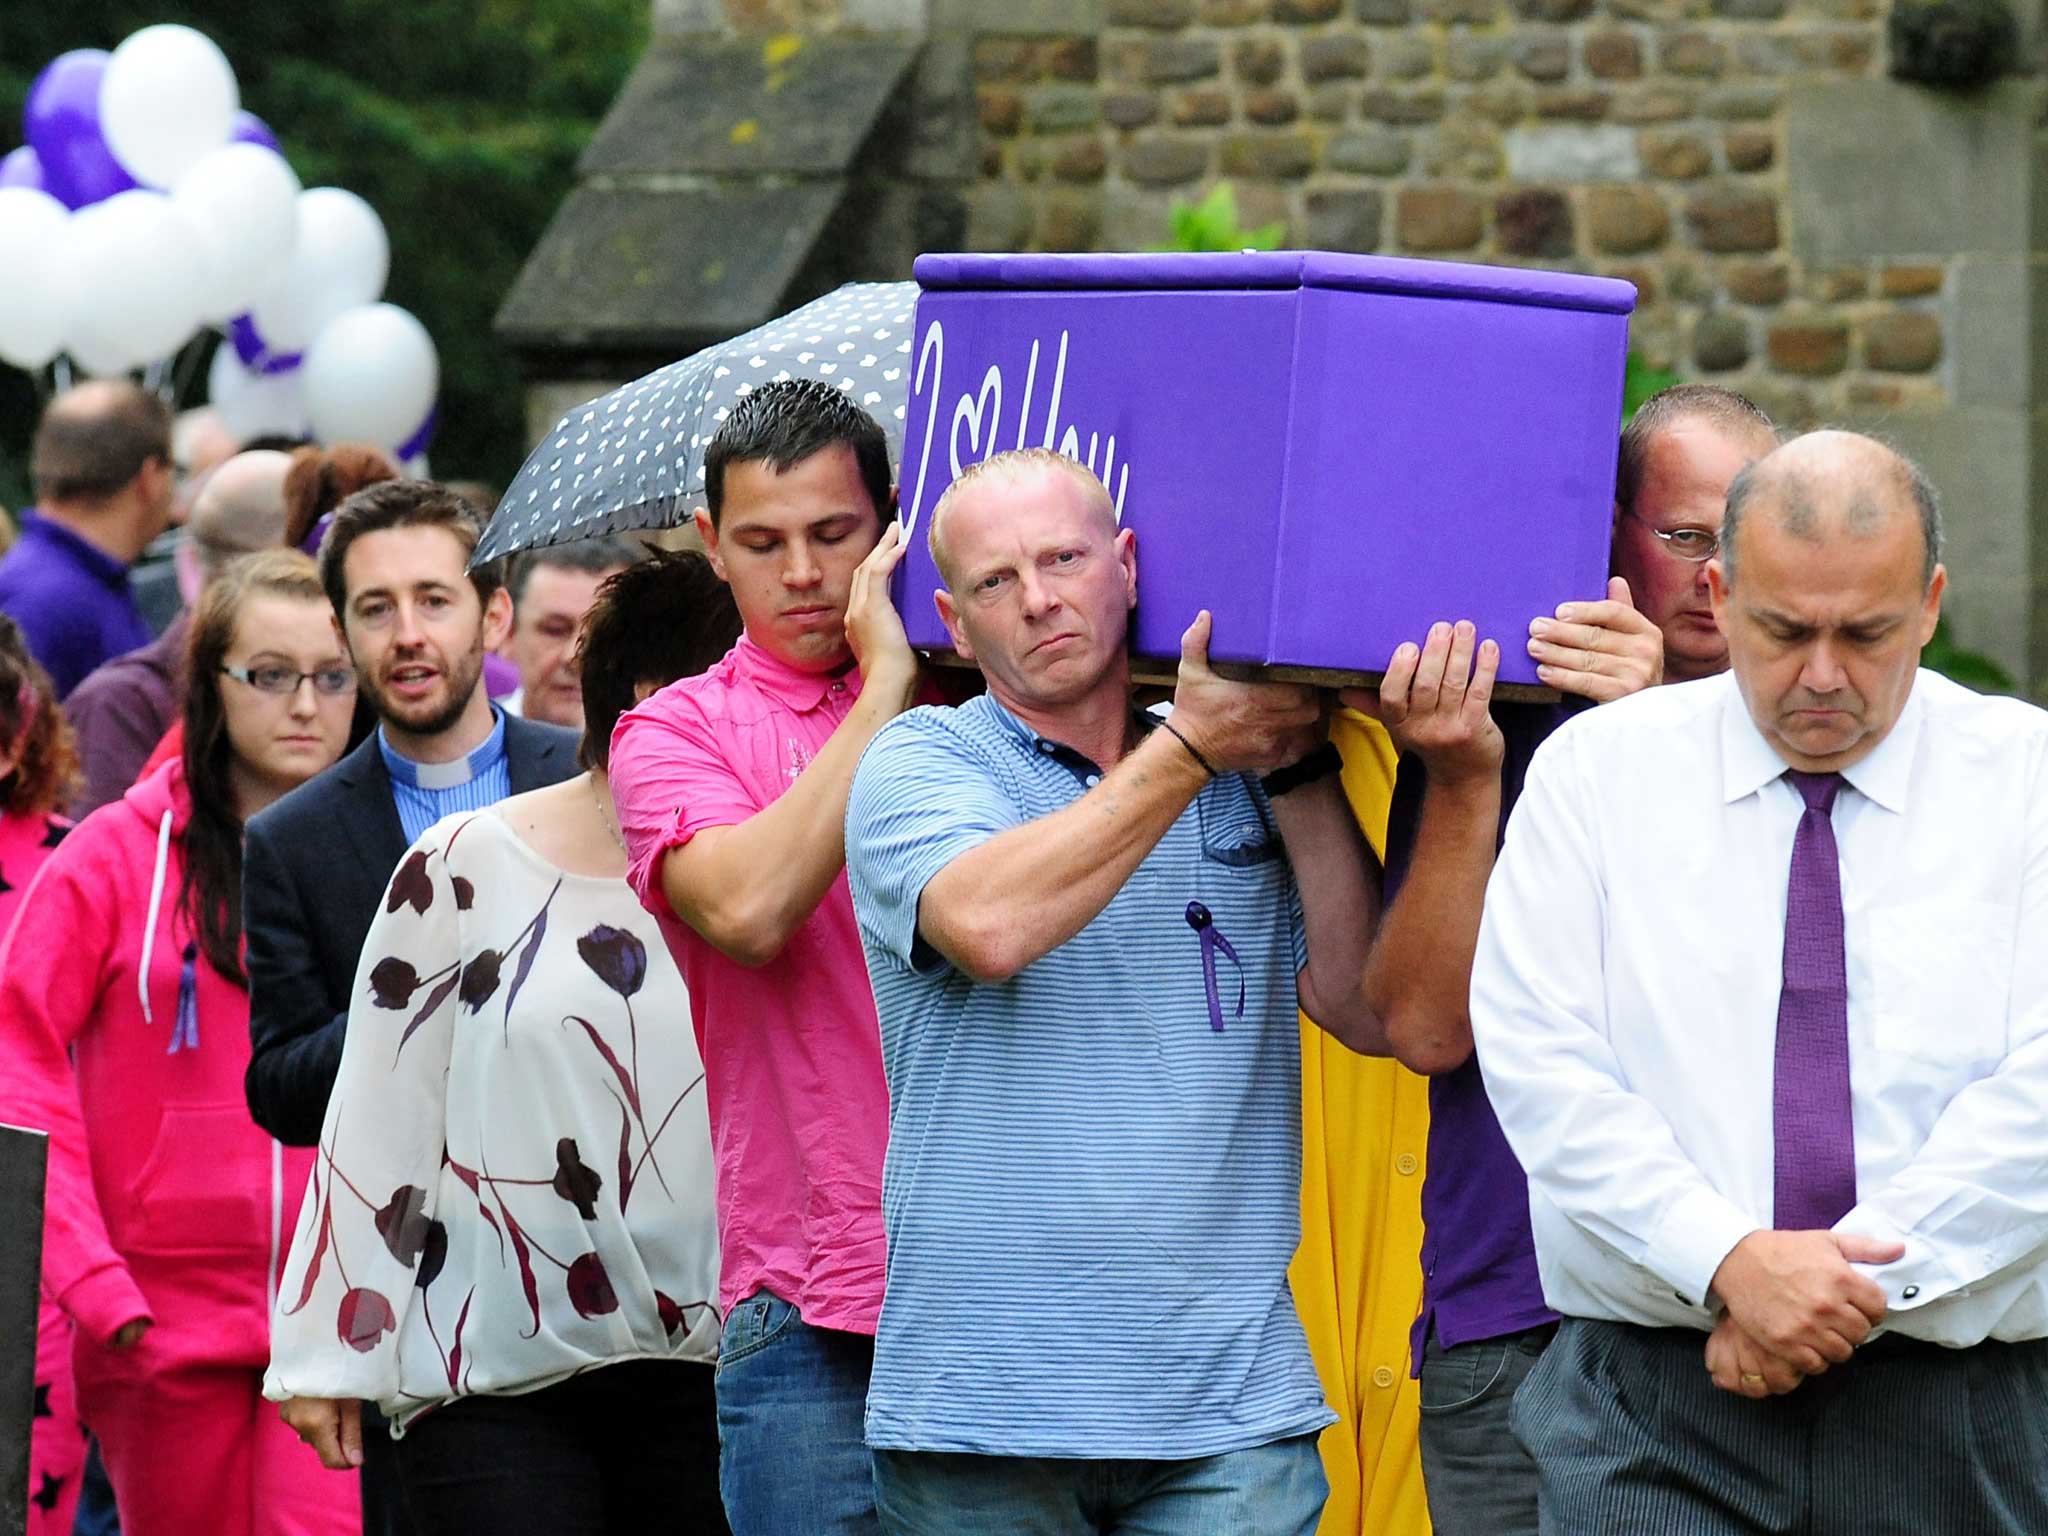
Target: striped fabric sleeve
point(921, 797)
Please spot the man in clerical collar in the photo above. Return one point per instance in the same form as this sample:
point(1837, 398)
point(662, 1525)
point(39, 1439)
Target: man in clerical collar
point(418, 622)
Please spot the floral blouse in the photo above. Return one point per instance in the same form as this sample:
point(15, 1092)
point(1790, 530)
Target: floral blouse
point(514, 1181)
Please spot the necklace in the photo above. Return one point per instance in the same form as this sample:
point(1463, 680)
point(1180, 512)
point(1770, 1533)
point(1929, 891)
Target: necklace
point(610, 825)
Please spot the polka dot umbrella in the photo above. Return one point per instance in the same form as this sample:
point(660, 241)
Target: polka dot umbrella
point(635, 458)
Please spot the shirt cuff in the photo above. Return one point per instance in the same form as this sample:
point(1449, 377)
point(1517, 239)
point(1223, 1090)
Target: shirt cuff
point(104, 1301)
point(1700, 1230)
point(1916, 1277)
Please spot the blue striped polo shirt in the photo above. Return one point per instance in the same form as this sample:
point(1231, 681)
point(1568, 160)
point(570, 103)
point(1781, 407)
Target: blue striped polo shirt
point(1091, 1193)
point(425, 792)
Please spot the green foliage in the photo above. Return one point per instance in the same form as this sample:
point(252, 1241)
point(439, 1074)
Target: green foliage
point(1973, 669)
point(1640, 382)
point(459, 120)
point(1211, 225)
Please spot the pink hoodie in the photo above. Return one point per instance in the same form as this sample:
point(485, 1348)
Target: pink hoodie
point(163, 1198)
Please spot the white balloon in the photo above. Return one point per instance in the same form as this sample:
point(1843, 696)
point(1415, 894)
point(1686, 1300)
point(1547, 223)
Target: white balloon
point(32, 237)
point(239, 203)
point(340, 258)
point(168, 96)
point(253, 405)
point(371, 377)
point(131, 282)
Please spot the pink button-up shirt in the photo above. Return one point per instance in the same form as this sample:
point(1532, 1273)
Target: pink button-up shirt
point(792, 1056)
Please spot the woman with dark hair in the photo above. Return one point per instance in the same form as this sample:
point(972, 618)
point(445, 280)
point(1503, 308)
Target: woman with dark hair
point(510, 1244)
point(320, 480)
point(37, 769)
point(166, 1207)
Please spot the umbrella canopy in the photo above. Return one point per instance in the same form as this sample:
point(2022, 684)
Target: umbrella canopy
point(635, 458)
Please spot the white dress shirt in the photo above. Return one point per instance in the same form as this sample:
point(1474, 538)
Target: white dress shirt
point(1625, 1003)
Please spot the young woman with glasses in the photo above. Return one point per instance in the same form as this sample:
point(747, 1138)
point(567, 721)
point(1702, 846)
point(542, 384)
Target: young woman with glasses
point(124, 1024)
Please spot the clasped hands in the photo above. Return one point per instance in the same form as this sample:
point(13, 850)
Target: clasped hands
point(1794, 1307)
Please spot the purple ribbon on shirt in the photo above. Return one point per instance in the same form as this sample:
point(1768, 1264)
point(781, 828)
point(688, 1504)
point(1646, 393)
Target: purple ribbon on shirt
point(1204, 924)
point(185, 1028)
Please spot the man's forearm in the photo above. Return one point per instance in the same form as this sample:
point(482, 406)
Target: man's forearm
point(1025, 892)
point(290, 1076)
point(747, 888)
point(1418, 978)
point(1339, 881)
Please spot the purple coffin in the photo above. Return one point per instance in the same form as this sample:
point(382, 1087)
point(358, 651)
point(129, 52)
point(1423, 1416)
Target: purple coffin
point(1328, 452)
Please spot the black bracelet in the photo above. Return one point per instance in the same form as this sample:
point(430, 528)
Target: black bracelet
point(1207, 766)
point(1319, 764)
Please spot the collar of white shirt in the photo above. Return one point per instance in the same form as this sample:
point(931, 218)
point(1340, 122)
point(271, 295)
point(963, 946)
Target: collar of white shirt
point(1749, 762)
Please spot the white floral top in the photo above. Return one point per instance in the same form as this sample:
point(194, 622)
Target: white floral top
point(515, 1180)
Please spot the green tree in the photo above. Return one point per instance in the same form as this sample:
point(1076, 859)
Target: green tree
point(459, 120)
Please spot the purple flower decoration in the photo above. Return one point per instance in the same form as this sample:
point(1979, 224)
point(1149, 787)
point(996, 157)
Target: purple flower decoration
point(393, 982)
point(617, 956)
point(480, 979)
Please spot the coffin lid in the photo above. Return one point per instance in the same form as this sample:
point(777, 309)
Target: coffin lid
point(1238, 271)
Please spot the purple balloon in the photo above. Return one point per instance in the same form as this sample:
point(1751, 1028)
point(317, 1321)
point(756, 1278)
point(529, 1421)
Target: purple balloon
point(251, 129)
point(21, 168)
point(62, 124)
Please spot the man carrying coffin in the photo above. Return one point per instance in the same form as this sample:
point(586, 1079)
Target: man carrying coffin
point(1761, 1002)
point(1087, 932)
point(1483, 1322)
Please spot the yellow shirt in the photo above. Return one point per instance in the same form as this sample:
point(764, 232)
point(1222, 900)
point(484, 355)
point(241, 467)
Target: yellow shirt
point(1358, 1276)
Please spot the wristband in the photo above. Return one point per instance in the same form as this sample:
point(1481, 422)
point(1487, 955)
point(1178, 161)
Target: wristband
point(1319, 764)
point(1168, 727)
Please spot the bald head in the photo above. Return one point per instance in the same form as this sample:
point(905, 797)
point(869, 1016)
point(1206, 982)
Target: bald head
point(1831, 485)
point(241, 509)
point(95, 439)
point(1007, 472)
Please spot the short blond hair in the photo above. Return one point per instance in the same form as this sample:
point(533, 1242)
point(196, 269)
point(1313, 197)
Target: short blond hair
point(1010, 467)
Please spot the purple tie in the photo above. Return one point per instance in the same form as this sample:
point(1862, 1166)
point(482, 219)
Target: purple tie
point(1815, 1183)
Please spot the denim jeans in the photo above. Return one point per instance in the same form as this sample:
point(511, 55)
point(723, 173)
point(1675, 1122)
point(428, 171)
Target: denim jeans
point(1270, 1490)
point(792, 1403)
point(1478, 1479)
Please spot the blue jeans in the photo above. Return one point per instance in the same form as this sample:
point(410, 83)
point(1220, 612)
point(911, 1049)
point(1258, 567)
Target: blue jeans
point(792, 1401)
point(1270, 1490)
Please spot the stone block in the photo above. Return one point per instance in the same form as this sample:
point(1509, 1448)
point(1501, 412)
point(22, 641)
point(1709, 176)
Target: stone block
point(1042, 18)
point(1233, 13)
point(1463, 149)
point(1005, 59)
point(1814, 348)
point(1675, 156)
point(1474, 56)
point(1553, 10)
point(1749, 10)
point(1750, 149)
point(1626, 221)
point(1762, 283)
point(1268, 156)
point(1571, 106)
point(1179, 60)
point(1402, 107)
point(1129, 109)
point(1329, 103)
point(1504, 102)
point(1720, 342)
point(1201, 109)
point(1569, 154)
point(1853, 148)
point(1534, 221)
point(1271, 108)
point(1160, 15)
point(1732, 219)
point(1334, 56)
point(1072, 58)
point(1158, 161)
point(1344, 219)
point(1304, 13)
point(999, 217)
point(1613, 56)
point(1698, 54)
point(1837, 285)
point(1910, 282)
point(1904, 341)
point(1063, 108)
point(1367, 151)
point(1653, 103)
point(1082, 160)
point(1743, 103)
point(1136, 219)
point(1071, 221)
point(1543, 56)
point(1381, 13)
point(1002, 112)
point(1687, 280)
point(1439, 219)
point(1643, 277)
point(1791, 53)
point(1406, 58)
point(1462, 13)
point(1258, 61)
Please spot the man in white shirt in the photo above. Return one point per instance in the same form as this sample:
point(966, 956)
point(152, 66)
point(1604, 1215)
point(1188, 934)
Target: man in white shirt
point(1762, 1003)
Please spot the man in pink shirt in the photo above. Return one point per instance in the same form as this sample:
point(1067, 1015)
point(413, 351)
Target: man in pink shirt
point(731, 791)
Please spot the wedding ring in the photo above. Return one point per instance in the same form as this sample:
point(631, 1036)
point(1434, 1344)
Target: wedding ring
point(1754, 1376)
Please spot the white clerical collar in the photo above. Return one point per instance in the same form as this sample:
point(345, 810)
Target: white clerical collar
point(438, 776)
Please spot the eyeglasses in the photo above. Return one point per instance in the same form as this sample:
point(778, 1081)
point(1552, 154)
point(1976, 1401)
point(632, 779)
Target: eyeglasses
point(1691, 544)
point(284, 681)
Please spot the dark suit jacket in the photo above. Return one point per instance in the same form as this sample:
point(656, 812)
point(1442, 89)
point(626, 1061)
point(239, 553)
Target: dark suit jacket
point(314, 868)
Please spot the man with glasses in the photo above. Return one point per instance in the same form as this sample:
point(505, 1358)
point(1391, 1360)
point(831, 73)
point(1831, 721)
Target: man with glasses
point(1484, 1321)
